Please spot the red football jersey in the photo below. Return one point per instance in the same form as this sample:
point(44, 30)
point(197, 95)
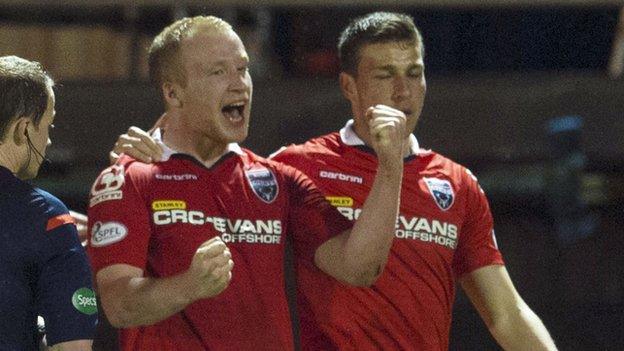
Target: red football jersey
point(154, 216)
point(444, 230)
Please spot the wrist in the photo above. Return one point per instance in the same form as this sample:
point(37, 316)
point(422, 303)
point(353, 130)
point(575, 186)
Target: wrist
point(390, 168)
point(187, 289)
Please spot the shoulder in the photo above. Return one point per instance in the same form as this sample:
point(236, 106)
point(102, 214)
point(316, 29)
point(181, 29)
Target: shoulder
point(43, 213)
point(254, 161)
point(125, 168)
point(458, 173)
point(32, 202)
point(434, 159)
point(52, 204)
point(115, 180)
point(282, 171)
point(135, 168)
point(58, 225)
point(329, 143)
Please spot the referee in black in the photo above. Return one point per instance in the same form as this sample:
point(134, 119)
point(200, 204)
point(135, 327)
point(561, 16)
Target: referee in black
point(43, 268)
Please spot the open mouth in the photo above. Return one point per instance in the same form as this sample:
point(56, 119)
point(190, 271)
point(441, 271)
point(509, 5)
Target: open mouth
point(234, 111)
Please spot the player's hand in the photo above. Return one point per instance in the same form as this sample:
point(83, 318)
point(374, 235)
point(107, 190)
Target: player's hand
point(138, 144)
point(211, 269)
point(387, 130)
point(81, 225)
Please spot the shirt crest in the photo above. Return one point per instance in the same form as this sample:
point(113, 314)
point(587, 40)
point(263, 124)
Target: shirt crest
point(442, 192)
point(263, 184)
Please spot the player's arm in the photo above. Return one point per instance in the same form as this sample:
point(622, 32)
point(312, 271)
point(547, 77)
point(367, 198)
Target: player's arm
point(359, 255)
point(510, 320)
point(76, 345)
point(130, 299)
point(119, 256)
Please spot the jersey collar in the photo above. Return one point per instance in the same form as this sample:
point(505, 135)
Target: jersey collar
point(168, 152)
point(6, 173)
point(348, 137)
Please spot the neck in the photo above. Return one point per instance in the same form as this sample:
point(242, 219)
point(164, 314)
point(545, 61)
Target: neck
point(186, 140)
point(9, 158)
point(362, 131)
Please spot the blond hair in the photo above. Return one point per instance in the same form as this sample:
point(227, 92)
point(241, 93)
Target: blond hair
point(165, 48)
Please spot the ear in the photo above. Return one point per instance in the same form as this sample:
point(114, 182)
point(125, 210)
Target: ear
point(18, 130)
point(347, 85)
point(172, 92)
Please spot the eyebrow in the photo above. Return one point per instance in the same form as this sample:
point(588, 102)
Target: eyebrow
point(219, 63)
point(392, 68)
point(209, 66)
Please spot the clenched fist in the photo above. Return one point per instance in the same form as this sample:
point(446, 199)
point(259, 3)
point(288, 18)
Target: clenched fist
point(388, 137)
point(211, 269)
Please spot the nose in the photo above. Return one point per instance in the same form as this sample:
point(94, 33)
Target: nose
point(240, 81)
point(401, 89)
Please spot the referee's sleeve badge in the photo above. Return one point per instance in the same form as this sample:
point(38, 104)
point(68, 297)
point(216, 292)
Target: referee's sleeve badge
point(58, 221)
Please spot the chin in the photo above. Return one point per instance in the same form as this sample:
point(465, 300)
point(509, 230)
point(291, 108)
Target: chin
point(239, 139)
point(238, 136)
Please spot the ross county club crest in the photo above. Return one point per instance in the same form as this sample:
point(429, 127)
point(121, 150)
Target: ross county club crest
point(263, 183)
point(442, 192)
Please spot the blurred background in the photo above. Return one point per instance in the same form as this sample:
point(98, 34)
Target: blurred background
point(527, 94)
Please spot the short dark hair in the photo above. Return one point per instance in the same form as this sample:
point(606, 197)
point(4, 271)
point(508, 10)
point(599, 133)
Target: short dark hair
point(373, 28)
point(23, 90)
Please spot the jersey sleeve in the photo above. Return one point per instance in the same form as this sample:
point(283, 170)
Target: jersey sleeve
point(65, 296)
point(312, 220)
point(477, 245)
point(119, 228)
